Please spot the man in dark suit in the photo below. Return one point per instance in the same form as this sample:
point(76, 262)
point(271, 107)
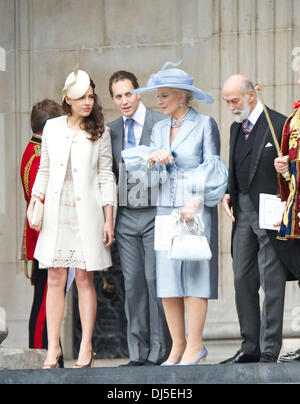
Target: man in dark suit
point(254, 252)
point(147, 333)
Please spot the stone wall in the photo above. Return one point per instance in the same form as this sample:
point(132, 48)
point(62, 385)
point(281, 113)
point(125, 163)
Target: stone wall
point(42, 40)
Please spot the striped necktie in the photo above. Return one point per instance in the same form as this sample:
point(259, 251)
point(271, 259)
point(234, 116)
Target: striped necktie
point(246, 130)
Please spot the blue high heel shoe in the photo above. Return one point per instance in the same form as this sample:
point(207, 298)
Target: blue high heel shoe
point(169, 363)
point(200, 358)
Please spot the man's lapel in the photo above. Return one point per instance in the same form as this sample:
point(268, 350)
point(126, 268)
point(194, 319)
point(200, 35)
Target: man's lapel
point(147, 128)
point(234, 133)
point(262, 130)
point(119, 140)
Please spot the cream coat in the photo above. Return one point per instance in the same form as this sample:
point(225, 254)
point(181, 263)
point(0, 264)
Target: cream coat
point(94, 187)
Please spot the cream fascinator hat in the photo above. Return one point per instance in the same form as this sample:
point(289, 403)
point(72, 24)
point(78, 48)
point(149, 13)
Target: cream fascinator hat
point(76, 85)
point(174, 78)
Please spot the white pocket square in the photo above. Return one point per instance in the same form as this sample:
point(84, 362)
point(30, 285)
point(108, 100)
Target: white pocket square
point(269, 145)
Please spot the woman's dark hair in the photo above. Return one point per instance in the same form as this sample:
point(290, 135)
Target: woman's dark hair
point(41, 112)
point(94, 123)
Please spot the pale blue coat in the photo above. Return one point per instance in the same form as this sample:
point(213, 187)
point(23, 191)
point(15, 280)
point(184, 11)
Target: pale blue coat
point(197, 169)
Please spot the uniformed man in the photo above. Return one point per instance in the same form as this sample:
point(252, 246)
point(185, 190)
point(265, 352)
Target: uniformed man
point(289, 189)
point(41, 112)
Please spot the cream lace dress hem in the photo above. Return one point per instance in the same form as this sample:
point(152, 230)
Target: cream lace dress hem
point(68, 250)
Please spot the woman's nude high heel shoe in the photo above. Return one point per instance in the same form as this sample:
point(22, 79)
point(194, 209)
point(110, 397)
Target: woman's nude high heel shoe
point(89, 365)
point(48, 366)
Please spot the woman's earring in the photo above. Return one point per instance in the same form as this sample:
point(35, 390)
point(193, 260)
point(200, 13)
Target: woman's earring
point(180, 105)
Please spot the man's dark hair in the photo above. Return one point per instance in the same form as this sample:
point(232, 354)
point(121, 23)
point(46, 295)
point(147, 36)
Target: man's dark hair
point(41, 112)
point(122, 75)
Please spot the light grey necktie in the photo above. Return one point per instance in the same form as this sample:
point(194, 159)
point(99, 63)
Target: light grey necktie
point(130, 135)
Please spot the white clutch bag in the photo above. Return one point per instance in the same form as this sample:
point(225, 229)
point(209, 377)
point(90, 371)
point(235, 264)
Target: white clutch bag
point(38, 212)
point(191, 245)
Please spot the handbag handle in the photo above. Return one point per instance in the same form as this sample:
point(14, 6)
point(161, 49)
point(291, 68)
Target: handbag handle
point(195, 227)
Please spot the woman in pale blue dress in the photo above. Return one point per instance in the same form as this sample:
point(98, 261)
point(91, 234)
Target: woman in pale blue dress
point(192, 178)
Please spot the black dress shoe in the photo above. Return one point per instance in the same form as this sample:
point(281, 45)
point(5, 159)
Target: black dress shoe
point(291, 357)
point(241, 357)
point(133, 363)
point(149, 363)
point(268, 357)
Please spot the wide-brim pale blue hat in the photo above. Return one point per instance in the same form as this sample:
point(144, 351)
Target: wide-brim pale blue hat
point(174, 78)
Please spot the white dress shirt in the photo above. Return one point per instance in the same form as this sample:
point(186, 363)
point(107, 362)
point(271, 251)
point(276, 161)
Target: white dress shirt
point(255, 114)
point(139, 120)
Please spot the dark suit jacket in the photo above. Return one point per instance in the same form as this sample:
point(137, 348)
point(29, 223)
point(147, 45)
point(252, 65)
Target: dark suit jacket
point(117, 141)
point(262, 176)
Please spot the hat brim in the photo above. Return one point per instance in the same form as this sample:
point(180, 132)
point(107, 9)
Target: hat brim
point(198, 94)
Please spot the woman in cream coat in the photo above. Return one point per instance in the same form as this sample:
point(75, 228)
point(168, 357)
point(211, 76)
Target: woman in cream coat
point(75, 178)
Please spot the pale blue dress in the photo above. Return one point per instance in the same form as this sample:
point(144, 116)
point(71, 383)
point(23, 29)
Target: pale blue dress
point(197, 170)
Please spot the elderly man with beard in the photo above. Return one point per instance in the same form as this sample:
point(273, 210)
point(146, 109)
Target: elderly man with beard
point(255, 261)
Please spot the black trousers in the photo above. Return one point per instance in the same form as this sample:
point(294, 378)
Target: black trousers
point(38, 337)
point(256, 264)
point(37, 322)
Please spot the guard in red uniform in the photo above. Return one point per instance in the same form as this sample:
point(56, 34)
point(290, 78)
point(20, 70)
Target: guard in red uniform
point(289, 191)
point(29, 167)
point(41, 112)
point(288, 168)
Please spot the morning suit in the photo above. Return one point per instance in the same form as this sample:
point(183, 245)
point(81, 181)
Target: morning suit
point(197, 169)
point(147, 333)
point(255, 261)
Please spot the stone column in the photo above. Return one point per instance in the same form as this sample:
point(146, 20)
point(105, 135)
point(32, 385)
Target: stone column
point(3, 327)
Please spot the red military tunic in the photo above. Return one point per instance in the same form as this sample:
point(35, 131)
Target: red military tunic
point(29, 168)
point(37, 323)
point(290, 190)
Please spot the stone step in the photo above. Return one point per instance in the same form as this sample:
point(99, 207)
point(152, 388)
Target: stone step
point(134, 377)
point(33, 359)
point(11, 358)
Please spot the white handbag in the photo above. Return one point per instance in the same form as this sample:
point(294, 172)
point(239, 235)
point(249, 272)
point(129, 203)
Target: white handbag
point(191, 245)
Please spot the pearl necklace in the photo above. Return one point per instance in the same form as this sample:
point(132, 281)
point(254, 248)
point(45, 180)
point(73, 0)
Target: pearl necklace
point(177, 124)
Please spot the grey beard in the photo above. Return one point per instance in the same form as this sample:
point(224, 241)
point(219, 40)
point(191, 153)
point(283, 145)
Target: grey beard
point(242, 114)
